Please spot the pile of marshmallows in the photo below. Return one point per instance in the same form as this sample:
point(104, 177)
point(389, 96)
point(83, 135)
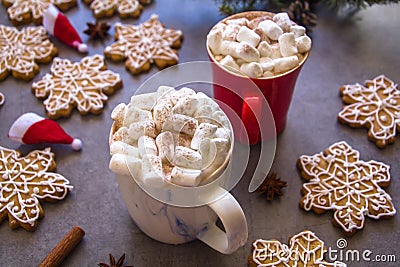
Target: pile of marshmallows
point(262, 47)
point(177, 136)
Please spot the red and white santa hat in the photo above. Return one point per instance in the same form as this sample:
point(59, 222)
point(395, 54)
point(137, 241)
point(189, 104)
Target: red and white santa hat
point(57, 24)
point(31, 128)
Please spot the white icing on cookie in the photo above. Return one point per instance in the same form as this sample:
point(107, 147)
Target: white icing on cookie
point(83, 84)
point(23, 183)
point(143, 44)
point(19, 10)
point(125, 8)
point(347, 185)
point(375, 106)
point(20, 49)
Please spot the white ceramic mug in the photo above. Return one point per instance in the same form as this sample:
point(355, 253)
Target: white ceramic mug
point(175, 224)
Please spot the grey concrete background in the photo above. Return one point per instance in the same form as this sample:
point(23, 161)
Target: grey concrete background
point(344, 51)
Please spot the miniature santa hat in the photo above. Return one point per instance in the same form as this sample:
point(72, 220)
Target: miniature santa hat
point(31, 128)
point(57, 24)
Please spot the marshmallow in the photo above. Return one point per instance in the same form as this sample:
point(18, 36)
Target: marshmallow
point(208, 152)
point(146, 127)
point(262, 34)
point(220, 26)
point(298, 30)
point(163, 91)
point(187, 158)
point(161, 111)
point(221, 118)
point(181, 124)
point(166, 146)
point(203, 111)
point(118, 114)
point(206, 100)
point(144, 101)
point(267, 64)
point(223, 133)
point(285, 63)
point(126, 165)
point(214, 41)
point(218, 57)
point(239, 21)
point(268, 74)
point(186, 105)
point(222, 146)
point(182, 139)
point(203, 131)
point(255, 21)
point(134, 114)
point(181, 93)
point(303, 44)
point(152, 171)
point(122, 135)
point(147, 146)
point(240, 61)
point(287, 44)
point(275, 51)
point(271, 29)
point(283, 21)
point(247, 35)
point(122, 148)
point(242, 50)
point(301, 57)
point(218, 152)
point(229, 63)
point(230, 32)
point(185, 177)
point(265, 49)
point(252, 69)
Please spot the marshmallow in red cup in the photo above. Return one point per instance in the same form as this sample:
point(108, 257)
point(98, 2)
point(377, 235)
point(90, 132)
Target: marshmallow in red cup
point(169, 151)
point(267, 49)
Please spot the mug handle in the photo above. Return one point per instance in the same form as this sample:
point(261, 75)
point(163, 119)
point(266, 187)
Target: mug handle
point(251, 110)
point(232, 217)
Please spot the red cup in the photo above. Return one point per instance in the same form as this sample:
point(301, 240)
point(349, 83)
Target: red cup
point(253, 99)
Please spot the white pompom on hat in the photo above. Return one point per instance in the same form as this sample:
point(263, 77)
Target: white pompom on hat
point(31, 128)
point(57, 24)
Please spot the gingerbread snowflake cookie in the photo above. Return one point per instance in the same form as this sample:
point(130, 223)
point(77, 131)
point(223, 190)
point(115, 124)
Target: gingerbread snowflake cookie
point(24, 182)
point(124, 8)
point(84, 85)
point(144, 44)
point(20, 51)
point(375, 106)
point(338, 180)
point(305, 249)
point(26, 11)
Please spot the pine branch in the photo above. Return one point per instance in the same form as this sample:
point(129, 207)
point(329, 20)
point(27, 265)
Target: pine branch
point(230, 7)
point(235, 6)
point(340, 4)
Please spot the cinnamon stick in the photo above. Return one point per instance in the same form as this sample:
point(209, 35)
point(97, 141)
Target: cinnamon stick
point(63, 248)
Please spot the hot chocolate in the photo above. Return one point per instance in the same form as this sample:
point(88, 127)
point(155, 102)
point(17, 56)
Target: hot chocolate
point(259, 47)
point(176, 136)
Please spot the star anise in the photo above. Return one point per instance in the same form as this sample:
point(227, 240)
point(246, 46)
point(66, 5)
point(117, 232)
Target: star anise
point(272, 186)
point(113, 263)
point(99, 30)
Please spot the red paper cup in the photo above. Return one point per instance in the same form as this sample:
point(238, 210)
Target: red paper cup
point(253, 104)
